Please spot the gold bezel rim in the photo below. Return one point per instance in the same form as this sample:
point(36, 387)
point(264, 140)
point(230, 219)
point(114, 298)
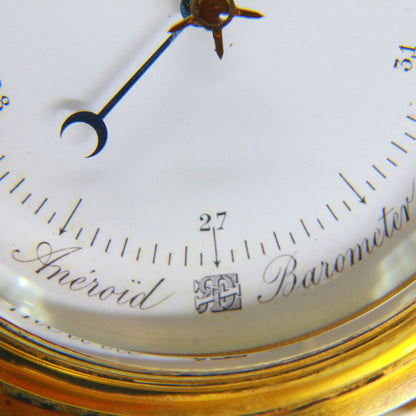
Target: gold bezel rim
point(372, 372)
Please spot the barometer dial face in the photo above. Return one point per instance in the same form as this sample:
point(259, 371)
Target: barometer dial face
point(215, 205)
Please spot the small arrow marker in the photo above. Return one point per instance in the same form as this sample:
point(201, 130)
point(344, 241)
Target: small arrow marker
point(217, 262)
point(361, 198)
point(63, 229)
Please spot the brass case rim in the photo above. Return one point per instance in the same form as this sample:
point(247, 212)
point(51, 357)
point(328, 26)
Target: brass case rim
point(373, 372)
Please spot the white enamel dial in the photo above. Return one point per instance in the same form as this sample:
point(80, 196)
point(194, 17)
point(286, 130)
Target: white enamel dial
point(237, 203)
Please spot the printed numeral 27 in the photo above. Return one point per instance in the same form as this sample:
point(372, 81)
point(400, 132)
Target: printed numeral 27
point(209, 221)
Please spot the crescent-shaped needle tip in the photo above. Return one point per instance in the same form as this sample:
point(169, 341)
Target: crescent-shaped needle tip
point(94, 121)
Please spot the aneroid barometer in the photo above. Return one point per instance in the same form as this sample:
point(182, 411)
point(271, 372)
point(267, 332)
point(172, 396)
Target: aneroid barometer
point(207, 207)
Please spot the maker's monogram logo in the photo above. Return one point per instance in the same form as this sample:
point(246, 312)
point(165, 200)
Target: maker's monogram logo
point(221, 292)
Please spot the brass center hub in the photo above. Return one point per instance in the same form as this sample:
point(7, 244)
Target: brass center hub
point(212, 15)
point(215, 12)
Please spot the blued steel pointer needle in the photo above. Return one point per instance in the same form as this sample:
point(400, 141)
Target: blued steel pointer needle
point(96, 121)
point(211, 14)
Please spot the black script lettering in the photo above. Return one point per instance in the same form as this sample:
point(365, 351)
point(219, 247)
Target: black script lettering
point(62, 280)
point(281, 274)
point(122, 296)
point(393, 220)
point(325, 270)
point(149, 297)
point(47, 258)
point(47, 263)
point(388, 233)
point(340, 263)
point(106, 293)
point(355, 254)
point(310, 278)
point(378, 239)
point(76, 281)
